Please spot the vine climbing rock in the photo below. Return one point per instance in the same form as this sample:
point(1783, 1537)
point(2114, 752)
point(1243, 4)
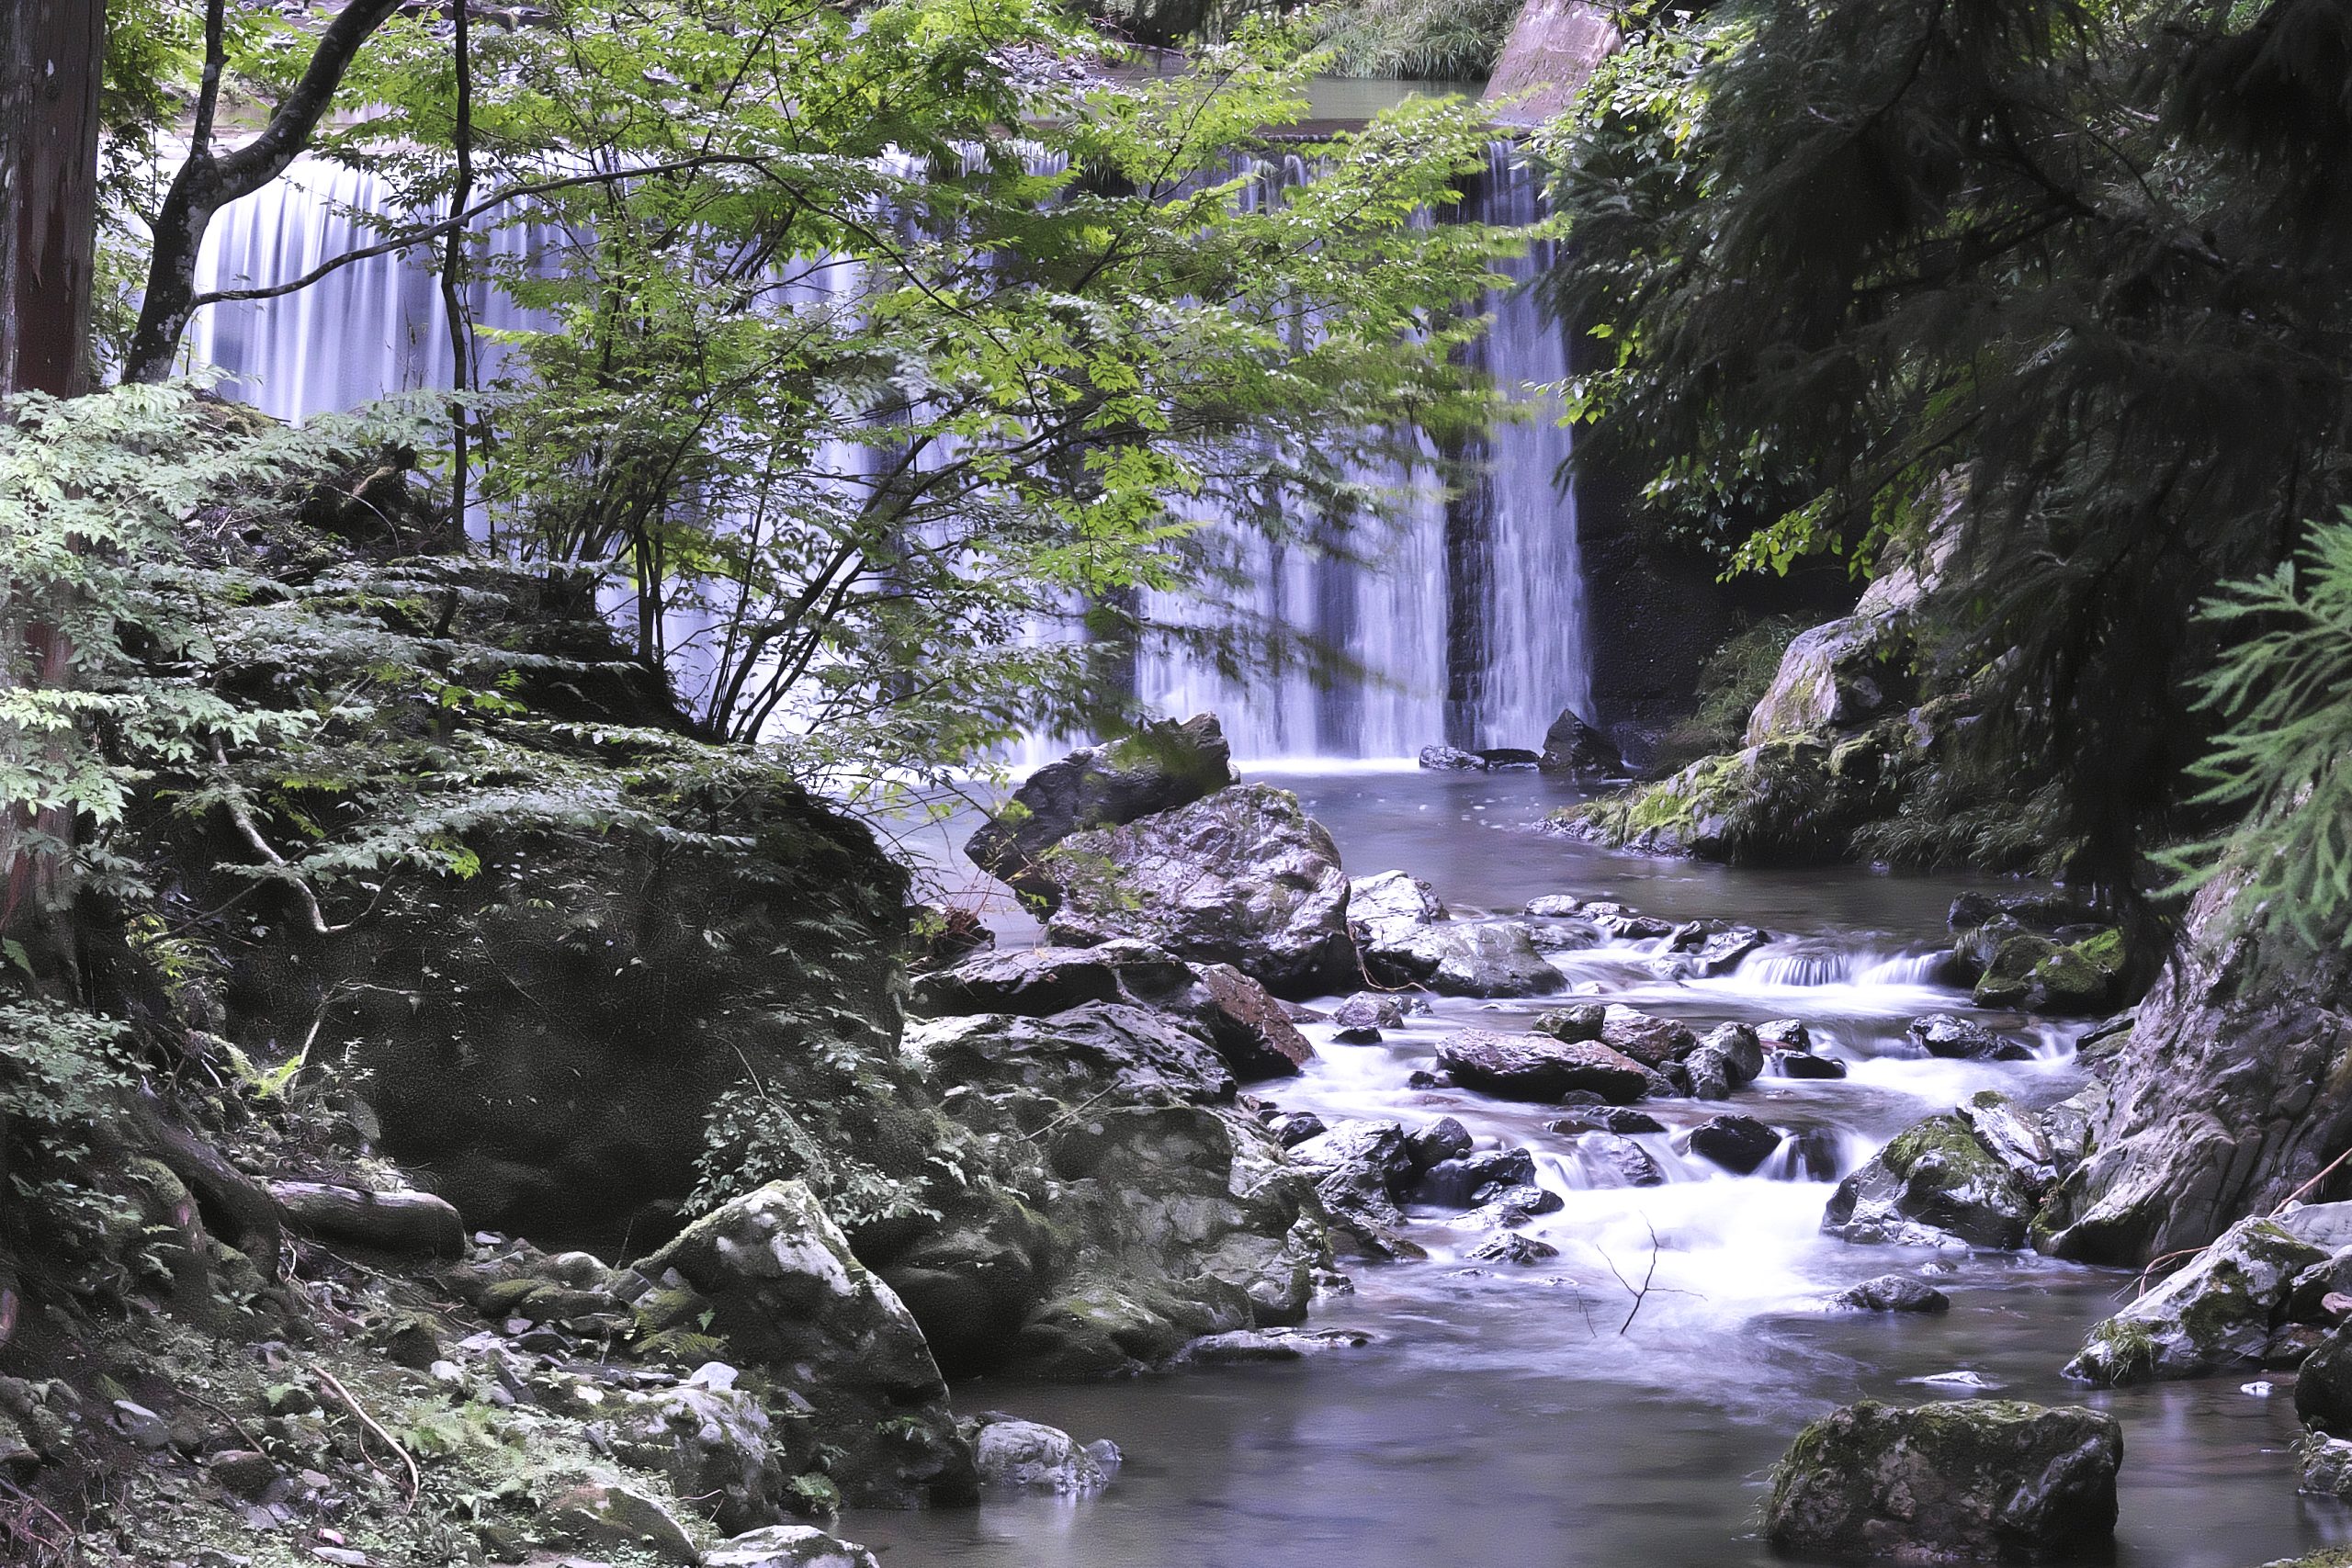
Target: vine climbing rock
point(788, 1296)
point(1243, 876)
point(1159, 768)
point(1977, 1480)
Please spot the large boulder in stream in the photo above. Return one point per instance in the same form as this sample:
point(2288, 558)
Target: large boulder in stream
point(1406, 938)
point(1173, 1211)
point(2224, 1307)
point(1979, 1480)
point(787, 1295)
point(1159, 768)
point(1538, 1067)
point(1242, 876)
point(1932, 1185)
point(2232, 1092)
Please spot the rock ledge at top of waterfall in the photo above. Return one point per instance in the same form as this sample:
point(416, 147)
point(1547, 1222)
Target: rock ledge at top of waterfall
point(1976, 1480)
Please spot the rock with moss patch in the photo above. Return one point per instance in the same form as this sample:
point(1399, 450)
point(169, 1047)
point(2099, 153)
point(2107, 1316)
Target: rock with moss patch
point(787, 1294)
point(716, 1446)
point(1933, 1184)
point(602, 1514)
point(1966, 1481)
point(2323, 1466)
point(2219, 1310)
point(1028, 1456)
point(1243, 876)
point(1406, 938)
point(1541, 1069)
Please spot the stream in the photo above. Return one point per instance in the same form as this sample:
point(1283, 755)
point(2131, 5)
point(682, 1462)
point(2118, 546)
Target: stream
point(1506, 1414)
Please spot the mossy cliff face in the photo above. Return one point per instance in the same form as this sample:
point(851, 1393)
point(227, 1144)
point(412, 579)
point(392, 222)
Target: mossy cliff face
point(2231, 1093)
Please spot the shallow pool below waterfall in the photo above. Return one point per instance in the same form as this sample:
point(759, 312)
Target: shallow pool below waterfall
point(1513, 1415)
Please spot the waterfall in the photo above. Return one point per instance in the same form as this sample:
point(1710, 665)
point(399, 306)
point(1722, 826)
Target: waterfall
point(1465, 623)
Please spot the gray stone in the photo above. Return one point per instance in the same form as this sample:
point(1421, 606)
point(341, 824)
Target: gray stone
point(1942, 1034)
point(1536, 1068)
point(1104, 1048)
point(1653, 1041)
point(2216, 1311)
point(788, 1546)
point(1468, 1181)
point(1892, 1292)
point(1738, 1144)
point(1510, 1247)
point(1027, 1456)
point(1442, 1139)
point(1242, 876)
point(1972, 1480)
point(714, 1444)
point(1406, 939)
point(1041, 980)
point(1161, 767)
point(1727, 1058)
point(2323, 1466)
point(1246, 1024)
point(1245, 1347)
point(1931, 1185)
point(1575, 748)
point(603, 1513)
point(1623, 1161)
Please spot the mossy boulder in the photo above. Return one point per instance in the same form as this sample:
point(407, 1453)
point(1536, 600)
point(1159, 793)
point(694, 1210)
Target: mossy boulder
point(2219, 1310)
point(1933, 1184)
point(1785, 801)
point(1966, 1481)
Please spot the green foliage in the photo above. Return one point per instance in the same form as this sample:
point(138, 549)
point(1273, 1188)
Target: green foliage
point(1443, 40)
point(904, 376)
point(1731, 682)
point(2282, 768)
point(2090, 260)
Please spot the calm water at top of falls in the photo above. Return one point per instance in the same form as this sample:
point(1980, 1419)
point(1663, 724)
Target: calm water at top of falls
point(1510, 1415)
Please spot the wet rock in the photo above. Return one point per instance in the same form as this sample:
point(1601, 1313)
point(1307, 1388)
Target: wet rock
point(1784, 1034)
point(1536, 1068)
point(1360, 1167)
point(1653, 1041)
point(1554, 906)
point(1108, 1049)
point(1892, 1292)
point(2043, 912)
point(1363, 1016)
point(1038, 981)
point(2323, 1386)
point(788, 1546)
point(1942, 1034)
point(1626, 924)
point(1738, 1144)
point(1575, 748)
point(1972, 1480)
point(1510, 1247)
point(1621, 1119)
point(2011, 1137)
point(1245, 1347)
point(2292, 1344)
point(1027, 1456)
point(1932, 1183)
point(1508, 1207)
point(1817, 1154)
point(1246, 1025)
point(1622, 1161)
point(1296, 1127)
point(1406, 939)
point(1727, 1058)
point(1802, 1065)
point(2218, 1310)
point(1161, 767)
point(2228, 1095)
point(601, 1513)
point(1580, 1020)
point(1704, 948)
point(1242, 876)
point(713, 1443)
point(2323, 1466)
point(1450, 760)
point(1465, 1181)
point(788, 1296)
point(1442, 1139)
point(1509, 759)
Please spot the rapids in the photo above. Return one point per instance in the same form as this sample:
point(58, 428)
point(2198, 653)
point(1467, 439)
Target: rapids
point(1514, 1415)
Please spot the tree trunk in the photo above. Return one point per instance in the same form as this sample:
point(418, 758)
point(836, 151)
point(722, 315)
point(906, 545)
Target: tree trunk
point(52, 57)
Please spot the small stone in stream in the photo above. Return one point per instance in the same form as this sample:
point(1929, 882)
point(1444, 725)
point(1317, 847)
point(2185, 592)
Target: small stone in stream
point(1582, 1096)
point(1242, 1345)
point(1580, 1020)
point(1653, 1041)
point(1559, 939)
point(1422, 1077)
point(1942, 1034)
point(1672, 1082)
point(1816, 1155)
point(1554, 906)
point(1623, 1159)
point(1442, 1139)
point(1737, 1143)
point(1892, 1292)
point(1507, 1207)
point(1449, 759)
point(1802, 1065)
point(1028, 1456)
point(1466, 1180)
point(1624, 1120)
point(1785, 1035)
point(1619, 922)
point(1510, 759)
point(2292, 1345)
point(1295, 1127)
point(788, 1546)
point(1536, 1068)
point(1513, 1247)
point(1370, 1009)
point(1728, 1058)
point(1357, 1035)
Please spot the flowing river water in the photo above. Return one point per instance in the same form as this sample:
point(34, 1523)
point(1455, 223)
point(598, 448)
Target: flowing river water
point(1513, 1415)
